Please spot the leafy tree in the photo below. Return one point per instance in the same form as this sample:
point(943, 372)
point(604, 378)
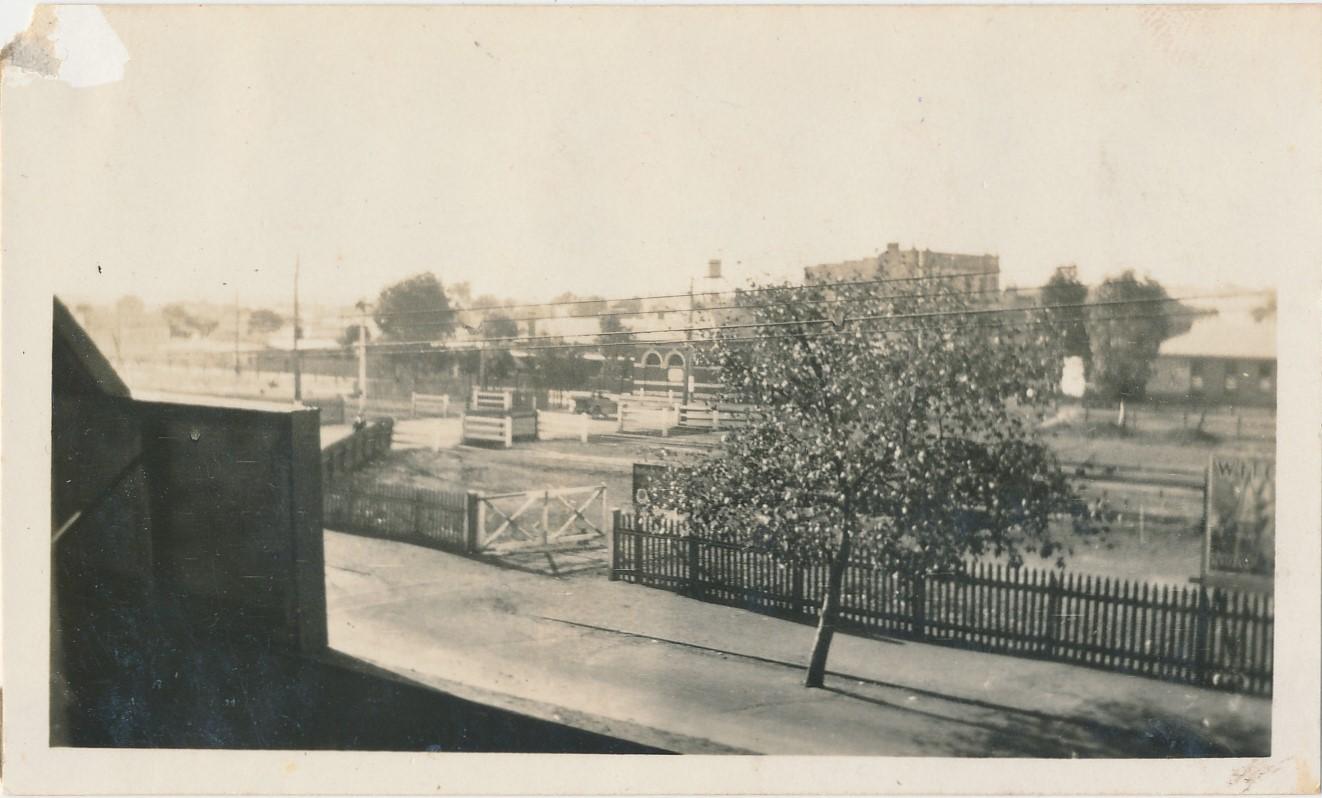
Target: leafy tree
point(461, 292)
point(907, 444)
point(613, 331)
point(414, 309)
point(265, 321)
point(498, 325)
point(177, 319)
point(1126, 326)
point(583, 305)
point(184, 324)
point(349, 337)
point(1064, 288)
point(203, 327)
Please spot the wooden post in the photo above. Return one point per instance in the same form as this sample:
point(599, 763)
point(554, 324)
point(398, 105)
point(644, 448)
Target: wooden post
point(473, 522)
point(638, 554)
point(612, 543)
point(417, 515)
point(413, 404)
point(508, 427)
point(695, 584)
point(715, 418)
point(918, 597)
point(583, 421)
point(1053, 616)
point(546, 516)
point(1202, 638)
point(620, 411)
point(797, 587)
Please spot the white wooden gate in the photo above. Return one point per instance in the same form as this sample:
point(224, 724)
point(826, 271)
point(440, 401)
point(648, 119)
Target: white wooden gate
point(641, 415)
point(562, 425)
point(426, 404)
point(541, 518)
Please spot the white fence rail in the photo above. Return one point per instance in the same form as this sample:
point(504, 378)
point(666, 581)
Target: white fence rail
point(713, 417)
point(635, 415)
point(492, 400)
point(562, 425)
point(426, 404)
point(539, 518)
point(491, 429)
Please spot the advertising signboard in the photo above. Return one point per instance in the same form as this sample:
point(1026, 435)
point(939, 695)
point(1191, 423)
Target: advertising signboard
point(1239, 540)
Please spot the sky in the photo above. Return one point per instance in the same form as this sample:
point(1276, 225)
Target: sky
point(609, 151)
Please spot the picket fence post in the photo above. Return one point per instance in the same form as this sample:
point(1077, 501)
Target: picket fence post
point(1052, 624)
point(472, 522)
point(695, 583)
point(613, 545)
point(918, 597)
point(1202, 637)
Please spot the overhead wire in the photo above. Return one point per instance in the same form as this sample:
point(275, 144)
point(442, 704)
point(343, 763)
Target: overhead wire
point(519, 341)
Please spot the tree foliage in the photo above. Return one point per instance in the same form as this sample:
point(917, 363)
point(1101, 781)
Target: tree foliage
point(349, 336)
point(265, 321)
point(907, 441)
point(1128, 321)
point(1064, 288)
point(184, 324)
point(613, 331)
point(414, 309)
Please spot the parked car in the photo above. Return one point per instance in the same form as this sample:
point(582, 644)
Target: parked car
point(598, 405)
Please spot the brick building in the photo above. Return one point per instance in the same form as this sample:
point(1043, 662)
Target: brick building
point(971, 273)
point(1227, 359)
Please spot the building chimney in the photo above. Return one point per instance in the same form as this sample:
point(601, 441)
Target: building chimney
point(714, 269)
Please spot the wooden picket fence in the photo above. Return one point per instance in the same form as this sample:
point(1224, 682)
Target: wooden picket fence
point(399, 512)
point(1212, 637)
point(353, 451)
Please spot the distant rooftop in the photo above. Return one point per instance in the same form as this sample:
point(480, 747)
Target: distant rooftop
point(1232, 334)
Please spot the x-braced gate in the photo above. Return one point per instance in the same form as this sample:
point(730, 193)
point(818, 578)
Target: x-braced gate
point(537, 518)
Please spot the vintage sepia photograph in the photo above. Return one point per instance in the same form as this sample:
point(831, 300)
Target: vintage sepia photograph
point(866, 382)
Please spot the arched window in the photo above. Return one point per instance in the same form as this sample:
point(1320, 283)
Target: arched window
point(652, 359)
point(675, 361)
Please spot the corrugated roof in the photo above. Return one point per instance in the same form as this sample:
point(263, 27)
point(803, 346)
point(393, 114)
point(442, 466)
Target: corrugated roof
point(1230, 334)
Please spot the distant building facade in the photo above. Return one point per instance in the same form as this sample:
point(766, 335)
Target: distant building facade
point(1228, 359)
point(968, 273)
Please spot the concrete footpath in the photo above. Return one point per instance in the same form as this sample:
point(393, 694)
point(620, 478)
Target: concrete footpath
point(662, 670)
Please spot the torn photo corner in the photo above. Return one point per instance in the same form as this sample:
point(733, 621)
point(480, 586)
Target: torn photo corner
point(661, 399)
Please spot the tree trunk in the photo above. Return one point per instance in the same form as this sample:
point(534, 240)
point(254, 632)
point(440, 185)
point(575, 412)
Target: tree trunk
point(830, 609)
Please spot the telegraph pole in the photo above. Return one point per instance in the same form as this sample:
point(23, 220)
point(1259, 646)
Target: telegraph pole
point(362, 358)
point(688, 349)
point(298, 333)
